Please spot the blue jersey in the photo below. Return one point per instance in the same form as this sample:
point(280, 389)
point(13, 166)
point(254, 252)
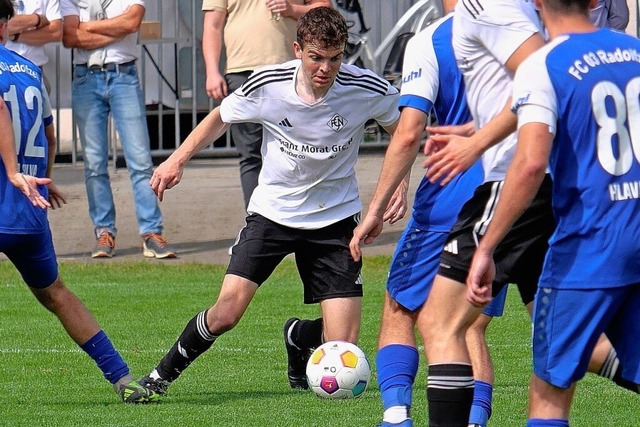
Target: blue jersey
point(431, 80)
point(586, 87)
point(28, 105)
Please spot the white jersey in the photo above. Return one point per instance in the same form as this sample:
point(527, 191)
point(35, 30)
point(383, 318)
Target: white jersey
point(309, 151)
point(124, 50)
point(48, 8)
point(485, 34)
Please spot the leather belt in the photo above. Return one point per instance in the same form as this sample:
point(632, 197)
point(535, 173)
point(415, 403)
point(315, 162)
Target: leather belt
point(111, 66)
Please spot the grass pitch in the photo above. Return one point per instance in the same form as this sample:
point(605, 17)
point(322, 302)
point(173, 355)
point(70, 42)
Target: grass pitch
point(45, 380)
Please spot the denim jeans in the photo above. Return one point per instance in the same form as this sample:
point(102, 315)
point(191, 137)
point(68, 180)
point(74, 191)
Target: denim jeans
point(95, 94)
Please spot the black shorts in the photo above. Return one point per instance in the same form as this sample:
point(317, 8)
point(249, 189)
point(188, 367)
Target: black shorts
point(519, 257)
point(322, 256)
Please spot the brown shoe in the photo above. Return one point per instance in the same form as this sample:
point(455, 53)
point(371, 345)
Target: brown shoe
point(155, 246)
point(105, 246)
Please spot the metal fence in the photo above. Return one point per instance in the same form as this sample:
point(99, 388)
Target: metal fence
point(172, 76)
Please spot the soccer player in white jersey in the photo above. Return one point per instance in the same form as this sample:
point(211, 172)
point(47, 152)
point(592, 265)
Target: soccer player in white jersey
point(577, 106)
point(313, 110)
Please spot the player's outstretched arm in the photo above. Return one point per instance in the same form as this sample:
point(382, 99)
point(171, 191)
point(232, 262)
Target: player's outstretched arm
point(25, 183)
point(400, 155)
point(453, 154)
point(398, 205)
point(169, 173)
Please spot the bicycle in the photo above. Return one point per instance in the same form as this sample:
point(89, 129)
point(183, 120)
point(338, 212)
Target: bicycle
point(359, 51)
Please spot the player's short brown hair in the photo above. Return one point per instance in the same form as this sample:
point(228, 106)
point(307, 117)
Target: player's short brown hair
point(323, 26)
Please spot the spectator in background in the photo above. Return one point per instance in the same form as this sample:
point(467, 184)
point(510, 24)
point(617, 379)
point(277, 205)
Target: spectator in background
point(611, 13)
point(36, 23)
point(255, 33)
point(105, 80)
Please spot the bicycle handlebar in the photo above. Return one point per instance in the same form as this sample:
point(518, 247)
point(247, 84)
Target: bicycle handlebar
point(353, 6)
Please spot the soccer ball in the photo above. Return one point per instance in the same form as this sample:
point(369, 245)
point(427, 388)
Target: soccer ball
point(338, 370)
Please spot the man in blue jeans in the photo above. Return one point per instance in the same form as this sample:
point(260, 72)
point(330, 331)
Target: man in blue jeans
point(105, 80)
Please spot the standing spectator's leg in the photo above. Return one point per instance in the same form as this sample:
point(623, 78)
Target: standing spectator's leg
point(91, 112)
point(130, 118)
point(247, 138)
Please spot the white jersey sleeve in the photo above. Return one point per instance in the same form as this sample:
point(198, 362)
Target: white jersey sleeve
point(420, 76)
point(534, 99)
point(486, 33)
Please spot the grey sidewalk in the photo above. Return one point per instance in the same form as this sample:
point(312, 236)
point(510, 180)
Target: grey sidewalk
point(202, 215)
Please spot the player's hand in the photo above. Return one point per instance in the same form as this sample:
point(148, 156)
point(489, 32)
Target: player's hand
point(366, 232)
point(448, 156)
point(397, 207)
point(466, 129)
point(166, 176)
point(216, 86)
point(56, 198)
point(480, 278)
point(29, 186)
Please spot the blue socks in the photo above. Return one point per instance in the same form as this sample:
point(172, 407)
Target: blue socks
point(101, 350)
point(397, 367)
point(481, 407)
point(537, 422)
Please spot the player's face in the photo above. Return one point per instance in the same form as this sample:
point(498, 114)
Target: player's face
point(320, 66)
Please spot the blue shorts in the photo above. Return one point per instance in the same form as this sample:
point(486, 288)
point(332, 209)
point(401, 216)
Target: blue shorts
point(33, 255)
point(568, 322)
point(414, 266)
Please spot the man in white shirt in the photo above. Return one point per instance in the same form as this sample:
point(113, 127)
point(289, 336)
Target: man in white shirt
point(105, 81)
point(313, 111)
point(36, 23)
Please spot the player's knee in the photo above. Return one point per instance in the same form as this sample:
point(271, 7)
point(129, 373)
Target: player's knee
point(52, 297)
point(223, 321)
point(479, 326)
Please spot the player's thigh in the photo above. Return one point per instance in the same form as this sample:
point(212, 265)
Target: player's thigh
point(520, 256)
point(624, 334)
point(446, 314)
point(341, 318)
point(397, 324)
point(262, 245)
point(566, 326)
point(463, 239)
point(33, 256)
point(414, 266)
point(325, 264)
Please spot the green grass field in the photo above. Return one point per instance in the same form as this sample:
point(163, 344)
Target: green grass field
point(45, 380)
